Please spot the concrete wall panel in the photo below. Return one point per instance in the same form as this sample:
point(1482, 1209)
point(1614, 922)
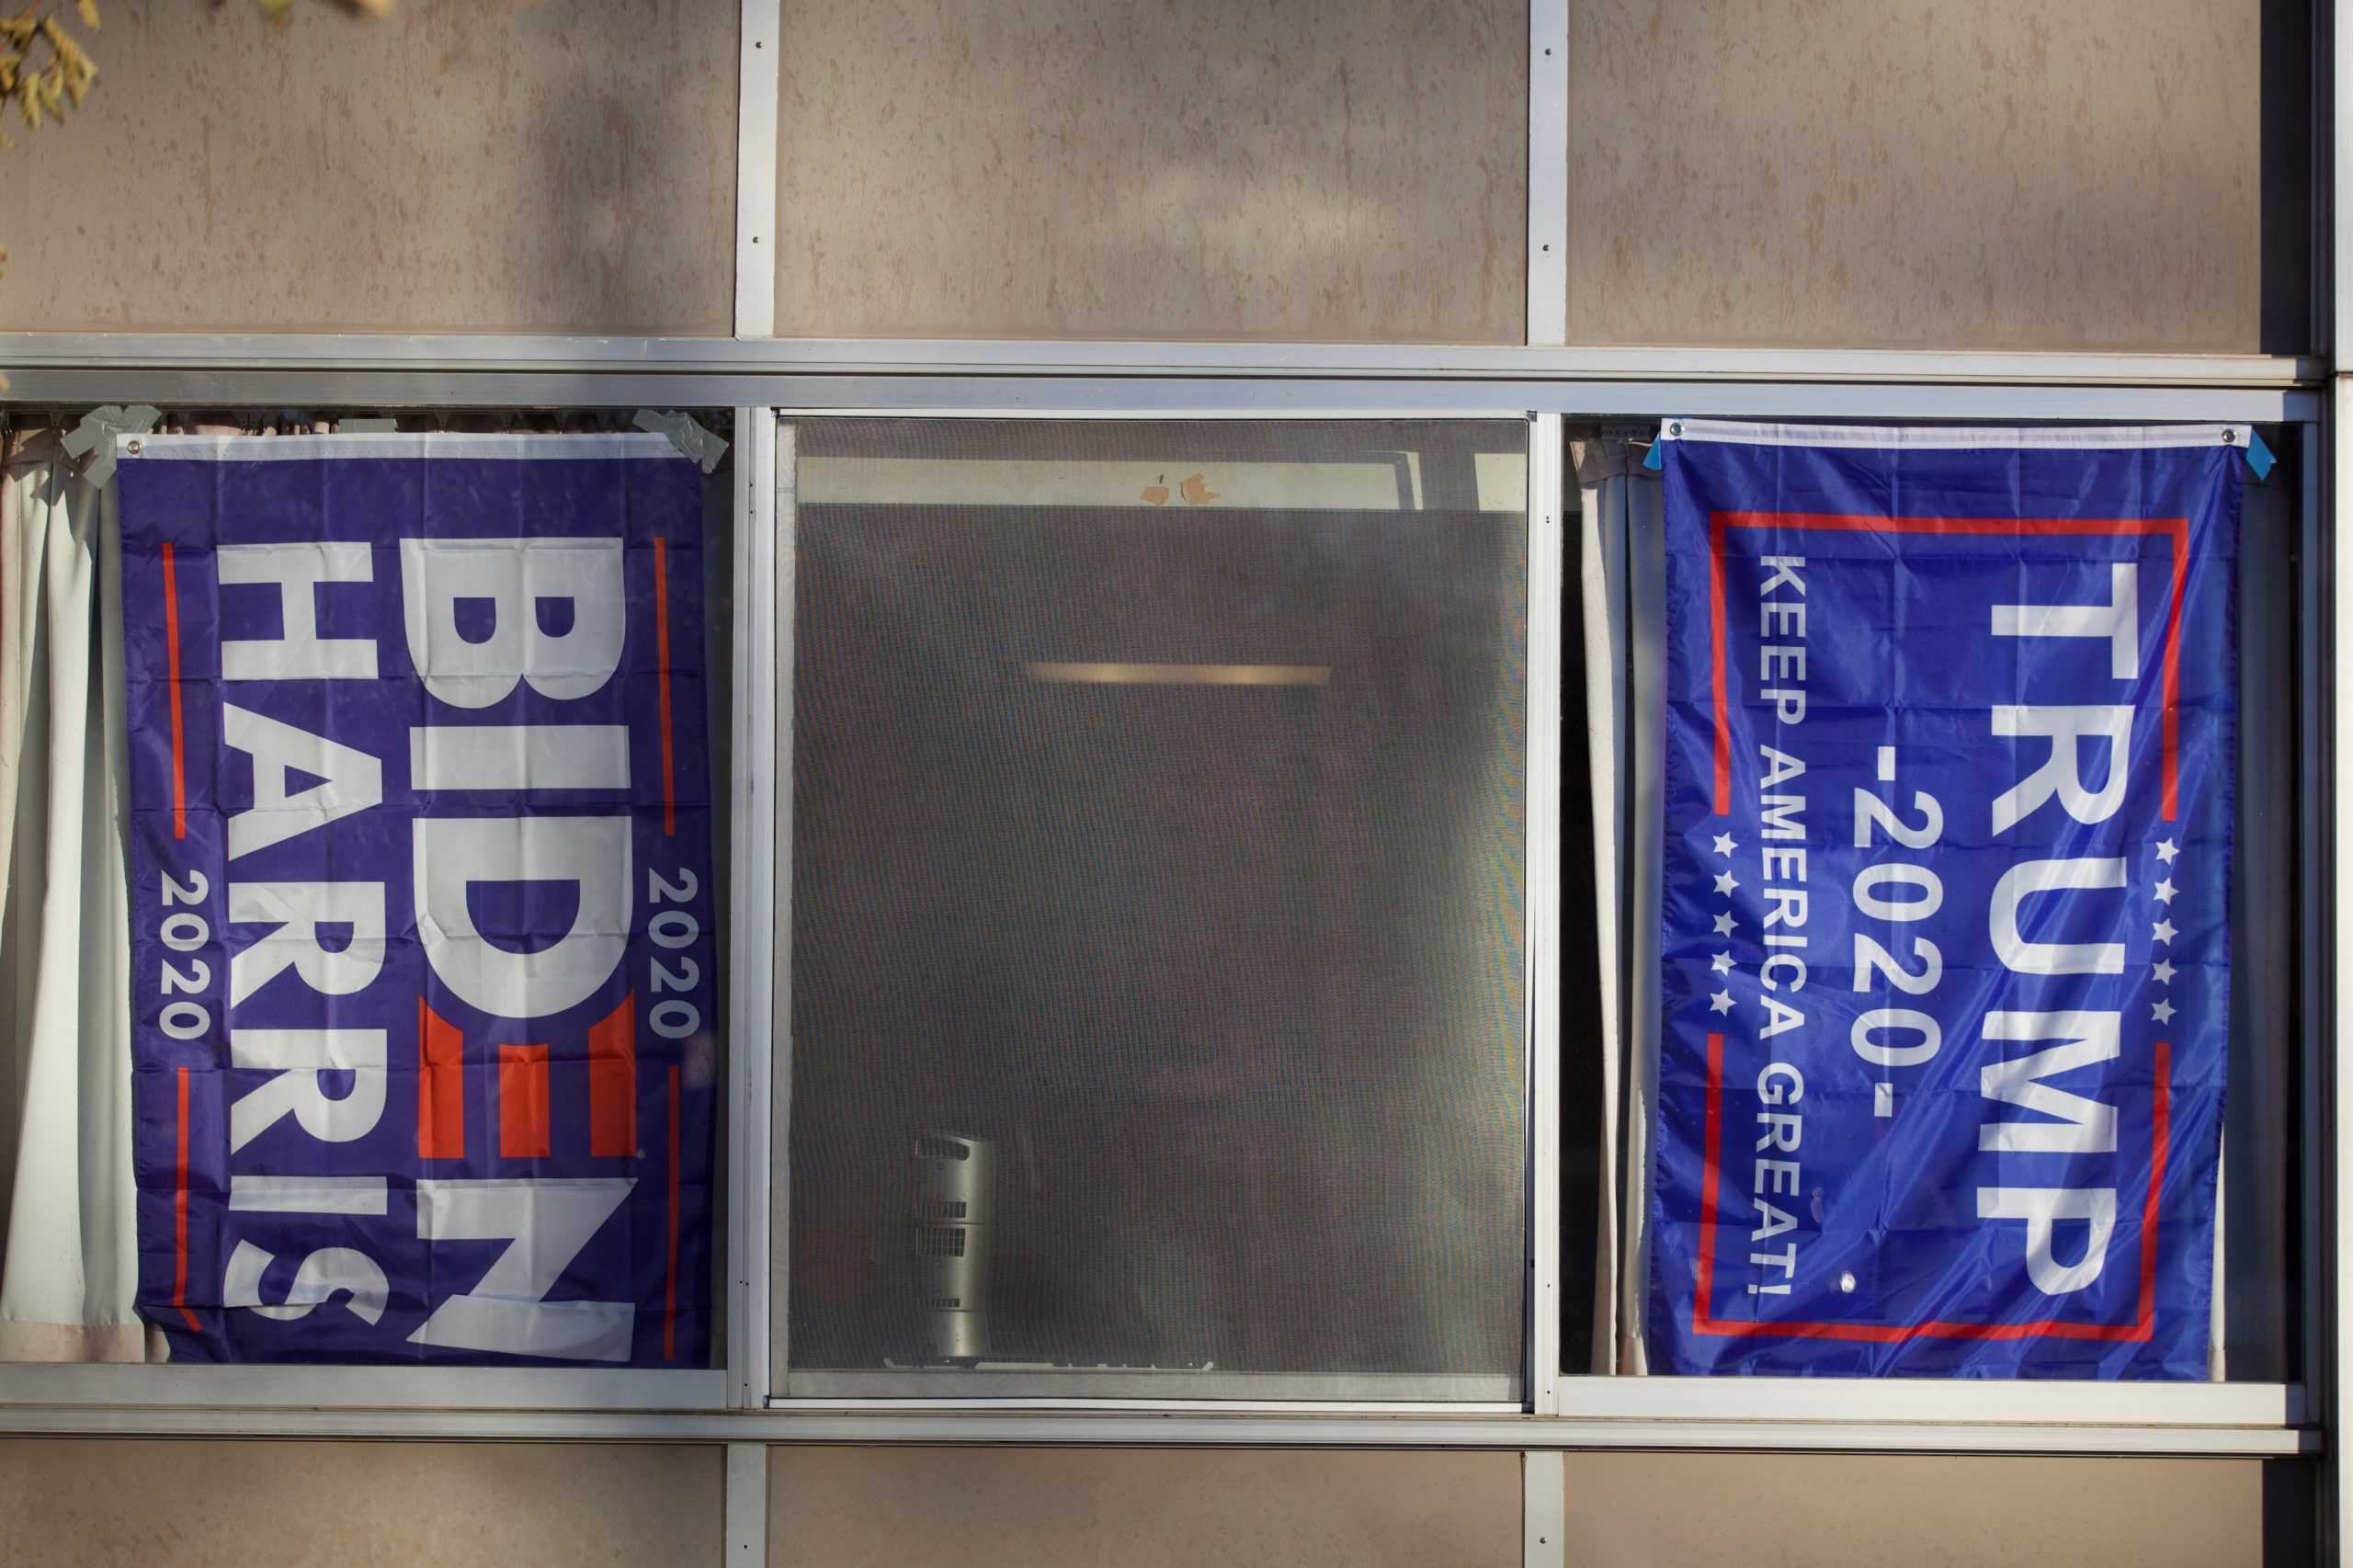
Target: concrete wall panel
point(465, 164)
point(1636, 1510)
point(275, 1505)
point(881, 1507)
point(2004, 174)
point(1335, 170)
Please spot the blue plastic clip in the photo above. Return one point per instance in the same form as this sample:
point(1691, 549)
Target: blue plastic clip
point(2258, 456)
point(1657, 458)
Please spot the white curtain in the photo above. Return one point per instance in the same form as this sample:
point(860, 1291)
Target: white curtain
point(1623, 586)
point(68, 1255)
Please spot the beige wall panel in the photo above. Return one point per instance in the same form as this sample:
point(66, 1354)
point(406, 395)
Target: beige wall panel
point(192, 1504)
point(466, 164)
point(1343, 170)
point(884, 1507)
point(2005, 174)
point(1629, 1510)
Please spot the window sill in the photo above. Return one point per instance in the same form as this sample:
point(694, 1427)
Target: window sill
point(1135, 1428)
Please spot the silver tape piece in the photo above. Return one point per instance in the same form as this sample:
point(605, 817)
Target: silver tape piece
point(95, 436)
point(686, 435)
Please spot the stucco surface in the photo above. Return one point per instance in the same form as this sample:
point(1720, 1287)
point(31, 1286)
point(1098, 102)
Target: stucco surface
point(1218, 1509)
point(2005, 174)
point(278, 1505)
point(465, 164)
point(1335, 170)
point(1636, 1510)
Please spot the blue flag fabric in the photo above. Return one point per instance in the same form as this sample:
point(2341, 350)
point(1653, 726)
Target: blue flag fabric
point(1949, 758)
point(423, 918)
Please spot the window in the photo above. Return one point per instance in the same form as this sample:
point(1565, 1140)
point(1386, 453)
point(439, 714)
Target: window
point(1178, 972)
point(362, 992)
point(1158, 932)
point(1607, 1104)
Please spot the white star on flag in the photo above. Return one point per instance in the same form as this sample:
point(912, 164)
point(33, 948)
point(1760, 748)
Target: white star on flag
point(1725, 846)
point(1724, 884)
point(2162, 1013)
point(2165, 851)
point(1720, 1002)
point(1721, 963)
point(2164, 891)
point(2161, 931)
point(2163, 972)
point(1724, 925)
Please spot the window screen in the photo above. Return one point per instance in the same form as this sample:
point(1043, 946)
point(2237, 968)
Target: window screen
point(1157, 958)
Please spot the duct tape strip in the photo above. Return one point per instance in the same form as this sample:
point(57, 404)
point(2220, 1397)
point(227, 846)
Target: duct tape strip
point(97, 435)
point(686, 435)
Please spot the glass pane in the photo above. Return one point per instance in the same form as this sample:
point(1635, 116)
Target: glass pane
point(1157, 964)
point(2254, 1293)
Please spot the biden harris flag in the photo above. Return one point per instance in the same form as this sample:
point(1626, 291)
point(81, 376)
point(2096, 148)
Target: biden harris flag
point(421, 901)
point(1945, 954)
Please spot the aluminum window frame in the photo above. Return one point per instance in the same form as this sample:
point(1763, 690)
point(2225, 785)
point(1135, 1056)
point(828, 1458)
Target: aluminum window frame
point(762, 379)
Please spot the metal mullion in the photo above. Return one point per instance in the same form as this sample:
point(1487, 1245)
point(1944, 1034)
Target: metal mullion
point(757, 81)
point(1163, 398)
point(1547, 583)
point(886, 393)
point(30, 351)
point(1077, 1407)
point(745, 1539)
point(2334, 808)
point(2320, 289)
point(2337, 149)
point(1544, 1508)
point(742, 1030)
point(753, 888)
point(1547, 173)
point(2328, 1330)
point(2313, 900)
point(775, 1098)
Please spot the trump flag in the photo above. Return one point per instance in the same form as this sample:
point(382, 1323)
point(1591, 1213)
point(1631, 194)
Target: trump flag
point(1949, 752)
